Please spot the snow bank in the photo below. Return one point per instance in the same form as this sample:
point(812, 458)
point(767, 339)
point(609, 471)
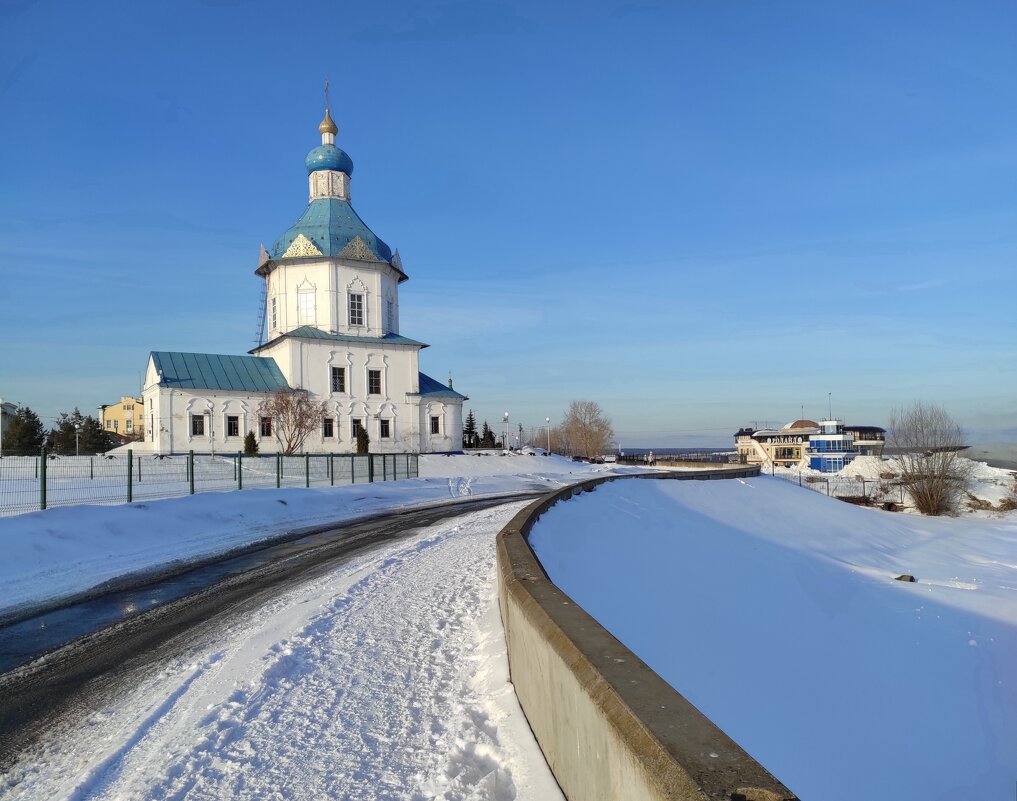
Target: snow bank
point(774, 610)
point(70, 549)
point(989, 489)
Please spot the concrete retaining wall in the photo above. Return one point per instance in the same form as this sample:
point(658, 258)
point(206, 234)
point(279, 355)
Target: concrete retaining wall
point(610, 728)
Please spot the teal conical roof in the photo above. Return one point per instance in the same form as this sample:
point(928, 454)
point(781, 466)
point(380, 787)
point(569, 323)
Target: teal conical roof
point(331, 224)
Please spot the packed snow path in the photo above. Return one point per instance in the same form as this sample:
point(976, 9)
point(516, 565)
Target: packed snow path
point(385, 679)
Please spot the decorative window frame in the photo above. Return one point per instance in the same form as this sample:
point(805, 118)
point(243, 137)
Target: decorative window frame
point(389, 413)
point(389, 313)
point(202, 406)
point(305, 288)
point(358, 287)
point(336, 411)
point(376, 361)
point(339, 359)
point(438, 410)
point(237, 408)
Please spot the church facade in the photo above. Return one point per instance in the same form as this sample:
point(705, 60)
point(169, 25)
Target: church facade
point(332, 325)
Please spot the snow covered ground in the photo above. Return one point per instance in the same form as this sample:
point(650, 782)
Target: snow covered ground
point(774, 610)
point(67, 550)
point(386, 679)
point(989, 491)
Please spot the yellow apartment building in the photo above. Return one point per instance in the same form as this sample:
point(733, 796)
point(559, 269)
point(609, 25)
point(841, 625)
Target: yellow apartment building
point(126, 418)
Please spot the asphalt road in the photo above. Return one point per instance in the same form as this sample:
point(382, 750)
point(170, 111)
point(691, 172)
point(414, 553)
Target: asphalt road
point(66, 662)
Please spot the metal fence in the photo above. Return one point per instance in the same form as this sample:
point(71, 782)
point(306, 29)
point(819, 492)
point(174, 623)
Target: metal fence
point(888, 493)
point(666, 459)
point(30, 483)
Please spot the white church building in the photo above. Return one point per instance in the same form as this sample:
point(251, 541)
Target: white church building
point(332, 325)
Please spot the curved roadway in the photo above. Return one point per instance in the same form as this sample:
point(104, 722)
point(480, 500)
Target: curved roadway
point(75, 656)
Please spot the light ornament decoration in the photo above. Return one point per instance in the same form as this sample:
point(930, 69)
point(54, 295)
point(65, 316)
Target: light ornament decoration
point(301, 246)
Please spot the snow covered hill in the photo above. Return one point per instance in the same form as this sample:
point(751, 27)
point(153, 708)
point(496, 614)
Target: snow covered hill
point(775, 611)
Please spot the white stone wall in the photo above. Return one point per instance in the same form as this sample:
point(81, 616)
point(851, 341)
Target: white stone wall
point(329, 282)
point(307, 364)
point(450, 425)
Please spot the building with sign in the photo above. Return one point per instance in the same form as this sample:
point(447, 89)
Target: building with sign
point(827, 446)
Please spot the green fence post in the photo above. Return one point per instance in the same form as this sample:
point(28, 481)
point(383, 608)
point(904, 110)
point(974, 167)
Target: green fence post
point(139, 469)
point(278, 470)
point(384, 467)
point(307, 470)
point(239, 467)
point(190, 470)
point(370, 467)
point(91, 468)
point(353, 469)
point(40, 473)
point(130, 475)
point(331, 469)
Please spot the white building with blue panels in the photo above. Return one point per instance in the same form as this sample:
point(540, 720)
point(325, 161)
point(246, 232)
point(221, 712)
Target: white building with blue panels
point(332, 324)
point(831, 448)
point(828, 445)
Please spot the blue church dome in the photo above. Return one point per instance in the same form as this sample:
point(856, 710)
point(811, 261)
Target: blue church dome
point(328, 157)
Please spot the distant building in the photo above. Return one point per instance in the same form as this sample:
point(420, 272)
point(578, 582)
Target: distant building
point(7, 411)
point(869, 440)
point(831, 448)
point(125, 419)
point(827, 446)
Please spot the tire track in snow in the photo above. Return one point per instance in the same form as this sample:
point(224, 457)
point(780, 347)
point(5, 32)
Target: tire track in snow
point(372, 696)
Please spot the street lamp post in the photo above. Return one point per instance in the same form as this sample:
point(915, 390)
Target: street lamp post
point(504, 432)
point(77, 432)
point(548, 428)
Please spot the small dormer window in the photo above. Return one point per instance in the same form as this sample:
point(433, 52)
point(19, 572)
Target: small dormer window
point(356, 308)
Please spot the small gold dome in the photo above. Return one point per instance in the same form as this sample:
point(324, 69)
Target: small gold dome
point(327, 126)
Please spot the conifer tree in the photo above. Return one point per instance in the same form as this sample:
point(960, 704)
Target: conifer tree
point(470, 431)
point(25, 435)
point(363, 441)
point(250, 444)
point(77, 433)
point(486, 436)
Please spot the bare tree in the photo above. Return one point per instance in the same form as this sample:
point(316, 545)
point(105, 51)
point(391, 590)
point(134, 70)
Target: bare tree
point(294, 416)
point(924, 441)
point(585, 429)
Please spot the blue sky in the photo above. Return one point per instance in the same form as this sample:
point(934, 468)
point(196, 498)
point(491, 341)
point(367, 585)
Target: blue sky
point(700, 215)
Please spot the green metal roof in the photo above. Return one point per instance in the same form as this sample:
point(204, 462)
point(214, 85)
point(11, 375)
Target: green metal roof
point(429, 388)
point(310, 332)
point(216, 371)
